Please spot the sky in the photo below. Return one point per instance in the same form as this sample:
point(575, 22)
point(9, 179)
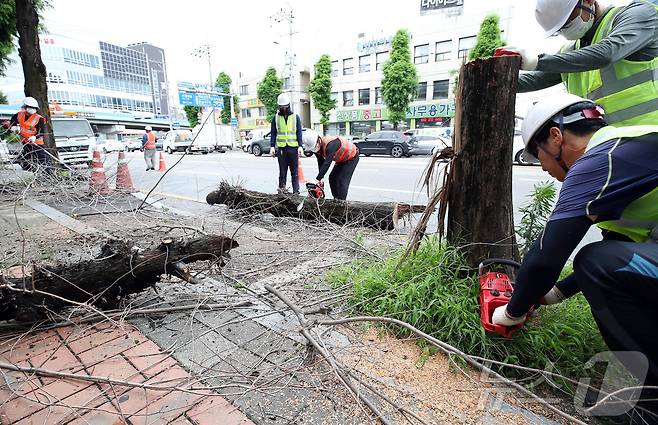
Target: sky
point(242, 33)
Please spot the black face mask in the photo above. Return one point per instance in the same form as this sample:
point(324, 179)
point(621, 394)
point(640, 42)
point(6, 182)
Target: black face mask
point(284, 110)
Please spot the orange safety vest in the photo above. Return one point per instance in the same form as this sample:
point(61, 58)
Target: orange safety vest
point(346, 151)
point(29, 127)
point(150, 140)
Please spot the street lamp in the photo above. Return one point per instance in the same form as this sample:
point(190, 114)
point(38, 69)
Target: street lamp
point(200, 52)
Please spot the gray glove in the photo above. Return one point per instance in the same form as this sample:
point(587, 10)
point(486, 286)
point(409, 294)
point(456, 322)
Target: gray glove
point(272, 151)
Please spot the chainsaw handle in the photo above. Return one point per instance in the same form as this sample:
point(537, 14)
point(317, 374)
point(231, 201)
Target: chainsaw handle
point(503, 261)
point(505, 52)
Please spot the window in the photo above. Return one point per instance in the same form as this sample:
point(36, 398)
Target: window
point(286, 83)
point(348, 98)
point(334, 96)
point(422, 90)
point(422, 53)
point(381, 58)
point(364, 96)
point(440, 89)
point(337, 129)
point(465, 46)
point(378, 96)
point(348, 66)
point(244, 89)
point(442, 50)
point(364, 63)
point(262, 111)
point(334, 68)
point(245, 113)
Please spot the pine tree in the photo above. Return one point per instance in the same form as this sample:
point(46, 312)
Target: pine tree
point(268, 90)
point(400, 82)
point(320, 89)
point(488, 39)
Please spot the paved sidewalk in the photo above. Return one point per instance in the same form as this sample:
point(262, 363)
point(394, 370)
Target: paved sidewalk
point(105, 351)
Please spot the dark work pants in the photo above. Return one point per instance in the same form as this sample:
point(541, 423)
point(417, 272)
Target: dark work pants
point(35, 156)
point(620, 282)
point(288, 158)
point(341, 176)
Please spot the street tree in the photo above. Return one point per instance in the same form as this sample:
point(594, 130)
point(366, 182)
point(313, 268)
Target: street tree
point(7, 31)
point(268, 90)
point(192, 114)
point(34, 71)
point(223, 83)
point(3, 99)
point(400, 82)
point(320, 89)
point(488, 39)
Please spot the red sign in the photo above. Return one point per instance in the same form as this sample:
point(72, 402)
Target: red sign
point(432, 119)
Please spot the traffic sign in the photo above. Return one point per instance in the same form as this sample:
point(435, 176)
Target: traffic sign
point(217, 101)
point(175, 124)
point(187, 99)
point(234, 121)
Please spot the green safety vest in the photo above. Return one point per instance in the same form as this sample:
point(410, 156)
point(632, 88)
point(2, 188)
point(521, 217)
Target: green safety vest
point(286, 132)
point(627, 90)
point(639, 220)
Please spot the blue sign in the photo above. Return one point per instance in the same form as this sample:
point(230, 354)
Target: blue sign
point(234, 121)
point(185, 85)
point(202, 99)
point(175, 124)
point(217, 101)
point(187, 99)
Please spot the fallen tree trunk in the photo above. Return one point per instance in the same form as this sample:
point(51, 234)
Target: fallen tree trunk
point(376, 215)
point(119, 270)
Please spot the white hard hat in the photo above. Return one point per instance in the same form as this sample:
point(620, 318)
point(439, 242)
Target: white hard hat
point(31, 102)
point(553, 14)
point(544, 110)
point(283, 99)
point(148, 128)
point(310, 140)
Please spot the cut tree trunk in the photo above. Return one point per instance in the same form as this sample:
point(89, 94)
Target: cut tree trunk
point(480, 215)
point(119, 270)
point(34, 71)
point(382, 216)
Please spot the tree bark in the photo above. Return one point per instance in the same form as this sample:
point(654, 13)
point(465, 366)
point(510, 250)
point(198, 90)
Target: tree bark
point(119, 270)
point(481, 215)
point(381, 216)
point(34, 71)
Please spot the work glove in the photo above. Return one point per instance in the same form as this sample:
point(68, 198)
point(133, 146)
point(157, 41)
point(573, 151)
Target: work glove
point(553, 296)
point(272, 151)
point(528, 60)
point(14, 129)
point(32, 139)
point(500, 317)
point(301, 151)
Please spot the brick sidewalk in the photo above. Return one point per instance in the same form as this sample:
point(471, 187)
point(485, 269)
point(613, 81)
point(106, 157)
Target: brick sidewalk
point(102, 351)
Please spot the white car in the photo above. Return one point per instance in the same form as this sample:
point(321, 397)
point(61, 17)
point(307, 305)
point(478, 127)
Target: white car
point(517, 153)
point(107, 146)
point(132, 144)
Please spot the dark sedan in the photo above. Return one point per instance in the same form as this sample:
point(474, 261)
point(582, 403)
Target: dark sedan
point(392, 143)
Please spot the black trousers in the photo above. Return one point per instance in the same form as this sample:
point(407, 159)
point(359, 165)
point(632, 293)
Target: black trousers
point(288, 158)
point(341, 176)
point(620, 282)
point(34, 156)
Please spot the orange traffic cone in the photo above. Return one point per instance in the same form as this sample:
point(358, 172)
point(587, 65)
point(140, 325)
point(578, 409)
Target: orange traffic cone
point(163, 166)
point(124, 182)
point(98, 183)
point(300, 172)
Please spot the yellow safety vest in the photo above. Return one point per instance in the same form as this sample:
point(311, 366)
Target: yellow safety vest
point(286, 132)
point(639, 220)
point(627, 90)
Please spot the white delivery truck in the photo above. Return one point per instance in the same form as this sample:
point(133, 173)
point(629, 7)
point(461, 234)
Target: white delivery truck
point(219, 137)
point(177, 141)
point(74, 139)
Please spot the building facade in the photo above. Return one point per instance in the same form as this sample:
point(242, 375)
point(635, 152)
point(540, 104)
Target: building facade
point(92, 76)
point(157, 66)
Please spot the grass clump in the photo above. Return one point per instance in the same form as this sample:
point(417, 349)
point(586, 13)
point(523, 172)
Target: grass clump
point(436, 291)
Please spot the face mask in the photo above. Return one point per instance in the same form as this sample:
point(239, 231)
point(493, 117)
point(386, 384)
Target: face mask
point(31, 111)
point(284, 110)
point(316, 148)
point(577, 28)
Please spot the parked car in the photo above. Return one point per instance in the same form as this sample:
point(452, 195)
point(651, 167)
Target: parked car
point(517, 153)
point(392, 143)
point(445, 132)
point(427, 145)
point(260, 145)
point(132, 144)
point(109, 145)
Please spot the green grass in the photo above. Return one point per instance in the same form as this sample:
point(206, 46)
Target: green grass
point(436, 292)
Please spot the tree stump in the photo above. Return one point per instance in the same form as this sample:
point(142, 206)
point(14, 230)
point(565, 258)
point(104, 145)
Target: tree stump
point(481, 214)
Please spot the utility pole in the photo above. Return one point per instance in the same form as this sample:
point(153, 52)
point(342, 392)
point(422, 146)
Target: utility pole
point(288, 16)
point(200, 52)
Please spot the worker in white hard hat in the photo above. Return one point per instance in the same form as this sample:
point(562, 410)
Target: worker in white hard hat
point(611, 57)
point(148, 145)
point(610, 178)
point(336, 149)
point(285, 142)
point(30, 127)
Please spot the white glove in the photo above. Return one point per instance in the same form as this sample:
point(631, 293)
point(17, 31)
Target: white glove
point(553, 296)
point(32, 139)
point(14, 129)
point(500, 317)
point(528, 60)
point(301, 151)
point(272, 151)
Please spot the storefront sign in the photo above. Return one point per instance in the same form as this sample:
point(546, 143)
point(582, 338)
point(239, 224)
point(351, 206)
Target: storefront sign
point(427, 110)
point(374, 44)
point(427, 5)
point(254, 103)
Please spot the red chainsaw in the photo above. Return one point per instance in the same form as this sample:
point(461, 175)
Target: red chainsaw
point(315, 190)
point(505, 52)
point(496, 289)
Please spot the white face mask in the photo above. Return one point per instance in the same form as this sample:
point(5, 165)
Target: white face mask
point(31, 111)
point(577, 28)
